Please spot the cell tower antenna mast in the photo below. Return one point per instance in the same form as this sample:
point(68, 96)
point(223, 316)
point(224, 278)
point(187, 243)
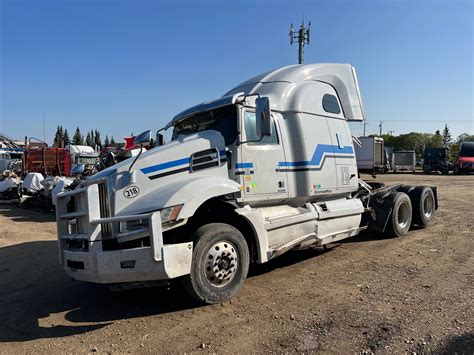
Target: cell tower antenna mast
point(303, 37)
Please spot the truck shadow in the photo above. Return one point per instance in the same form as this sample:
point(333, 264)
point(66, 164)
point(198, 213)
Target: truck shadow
point(462, 344)
point(19, 214)
point(34, 291)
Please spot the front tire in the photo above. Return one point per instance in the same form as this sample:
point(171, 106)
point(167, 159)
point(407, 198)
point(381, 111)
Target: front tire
point(220, 263)
point(400, 218)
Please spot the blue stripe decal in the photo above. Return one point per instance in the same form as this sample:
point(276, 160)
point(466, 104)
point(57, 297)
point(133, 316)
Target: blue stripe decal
point(244, 165)
point(162, 166)
point(318, 155)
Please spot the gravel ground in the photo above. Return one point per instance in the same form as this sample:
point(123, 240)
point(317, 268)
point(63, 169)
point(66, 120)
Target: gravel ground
point(367, 294)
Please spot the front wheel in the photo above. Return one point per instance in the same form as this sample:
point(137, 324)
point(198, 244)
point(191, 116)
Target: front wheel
point(220, 263)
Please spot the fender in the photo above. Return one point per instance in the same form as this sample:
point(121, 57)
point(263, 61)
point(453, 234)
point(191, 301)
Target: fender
point(190, 191)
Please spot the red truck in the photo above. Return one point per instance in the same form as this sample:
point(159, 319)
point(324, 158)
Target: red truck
point(465, 160)
point(47, 161)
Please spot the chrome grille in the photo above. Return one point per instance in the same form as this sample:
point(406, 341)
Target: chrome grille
point(104, 209)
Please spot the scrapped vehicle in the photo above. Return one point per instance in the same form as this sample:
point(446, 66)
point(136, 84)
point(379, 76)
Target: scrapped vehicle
point(436, 159)
point(83, 154)
point(10, 186)
point(266, 168)
point(465, 161)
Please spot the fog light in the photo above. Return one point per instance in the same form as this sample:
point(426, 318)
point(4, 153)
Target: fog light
point(127, 264)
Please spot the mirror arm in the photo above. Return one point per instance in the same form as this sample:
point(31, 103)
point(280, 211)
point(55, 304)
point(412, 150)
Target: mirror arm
point(136, 158)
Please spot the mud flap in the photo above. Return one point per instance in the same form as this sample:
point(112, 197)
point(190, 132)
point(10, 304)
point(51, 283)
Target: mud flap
point(382, 211)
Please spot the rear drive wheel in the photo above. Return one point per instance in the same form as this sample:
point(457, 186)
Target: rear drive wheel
point(424, 206)
point(400, 218)
point(220, 263)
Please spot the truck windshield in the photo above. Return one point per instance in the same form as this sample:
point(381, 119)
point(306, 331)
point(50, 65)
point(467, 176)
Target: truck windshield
point(87, 159)
point(223, 120)
point(467, 150)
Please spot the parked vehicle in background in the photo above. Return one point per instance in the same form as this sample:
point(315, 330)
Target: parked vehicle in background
point(371, 155)
point(47, 161)
point(465, 161)
point(389, 155)
point(404, 161)
point(83, 154)
point(436, 159)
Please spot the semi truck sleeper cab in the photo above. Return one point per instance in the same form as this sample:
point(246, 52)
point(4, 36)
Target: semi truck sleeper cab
point(266, 168)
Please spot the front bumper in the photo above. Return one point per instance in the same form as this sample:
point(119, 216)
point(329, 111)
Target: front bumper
point(82, 228)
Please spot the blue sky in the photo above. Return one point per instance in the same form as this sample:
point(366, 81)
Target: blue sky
point(126, 66)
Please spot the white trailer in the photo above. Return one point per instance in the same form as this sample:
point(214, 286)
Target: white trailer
point(371, 154)
point(404, 161)
point(266, 168)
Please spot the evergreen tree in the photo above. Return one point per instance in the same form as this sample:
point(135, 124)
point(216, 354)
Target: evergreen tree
point(107, 142)
point(112, 141)
point(78, 139)
point(65, 137)
point(92, 139)
point(88, 139)
point(57, 138)
point(97, 141)
point(447, 140)
point(437, 140)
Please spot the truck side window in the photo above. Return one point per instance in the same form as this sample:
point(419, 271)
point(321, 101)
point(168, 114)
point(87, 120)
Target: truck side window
point(251, 133)
point(330, 104)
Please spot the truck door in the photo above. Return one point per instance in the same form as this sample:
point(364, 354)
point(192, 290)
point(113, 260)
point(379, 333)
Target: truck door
point(343, 150)
point(258, 160)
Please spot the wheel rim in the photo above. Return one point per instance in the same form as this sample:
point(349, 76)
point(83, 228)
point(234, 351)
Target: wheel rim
point(221, 263)
point(403, 215)
point(428, 206)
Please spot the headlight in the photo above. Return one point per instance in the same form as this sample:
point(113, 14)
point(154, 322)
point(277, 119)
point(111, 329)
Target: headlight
point(170, 214)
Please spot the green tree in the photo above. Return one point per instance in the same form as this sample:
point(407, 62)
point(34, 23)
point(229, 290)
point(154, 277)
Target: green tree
point(465, 137)
point(58, 137)
point(65, 137)
point(97, 140)
point(112, 141)
point(447, 140)
point(89, 139)
point(78, 139)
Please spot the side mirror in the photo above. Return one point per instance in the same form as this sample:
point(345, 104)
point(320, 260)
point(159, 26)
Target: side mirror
point(143, 138)
point(160, 140)
point(263, 121)
point(77, 169)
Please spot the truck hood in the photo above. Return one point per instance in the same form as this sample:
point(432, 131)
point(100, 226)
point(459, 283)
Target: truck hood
point(466, 159)
point(159, 174)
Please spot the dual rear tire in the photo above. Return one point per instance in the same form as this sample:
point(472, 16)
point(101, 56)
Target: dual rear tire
point(416, 208)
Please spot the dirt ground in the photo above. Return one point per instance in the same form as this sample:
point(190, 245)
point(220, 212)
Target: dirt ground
point(366, 294)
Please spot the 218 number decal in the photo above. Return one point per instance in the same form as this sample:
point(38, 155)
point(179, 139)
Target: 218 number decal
point(131, 191)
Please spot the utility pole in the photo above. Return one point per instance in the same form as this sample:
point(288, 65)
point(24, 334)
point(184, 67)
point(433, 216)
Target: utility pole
point(390, 133)
point(44, 128)
point(365, 124)
point(380, 126)
point(303, 37)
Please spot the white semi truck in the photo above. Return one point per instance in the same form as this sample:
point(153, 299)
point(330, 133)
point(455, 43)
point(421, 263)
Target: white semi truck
point(266, 168)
